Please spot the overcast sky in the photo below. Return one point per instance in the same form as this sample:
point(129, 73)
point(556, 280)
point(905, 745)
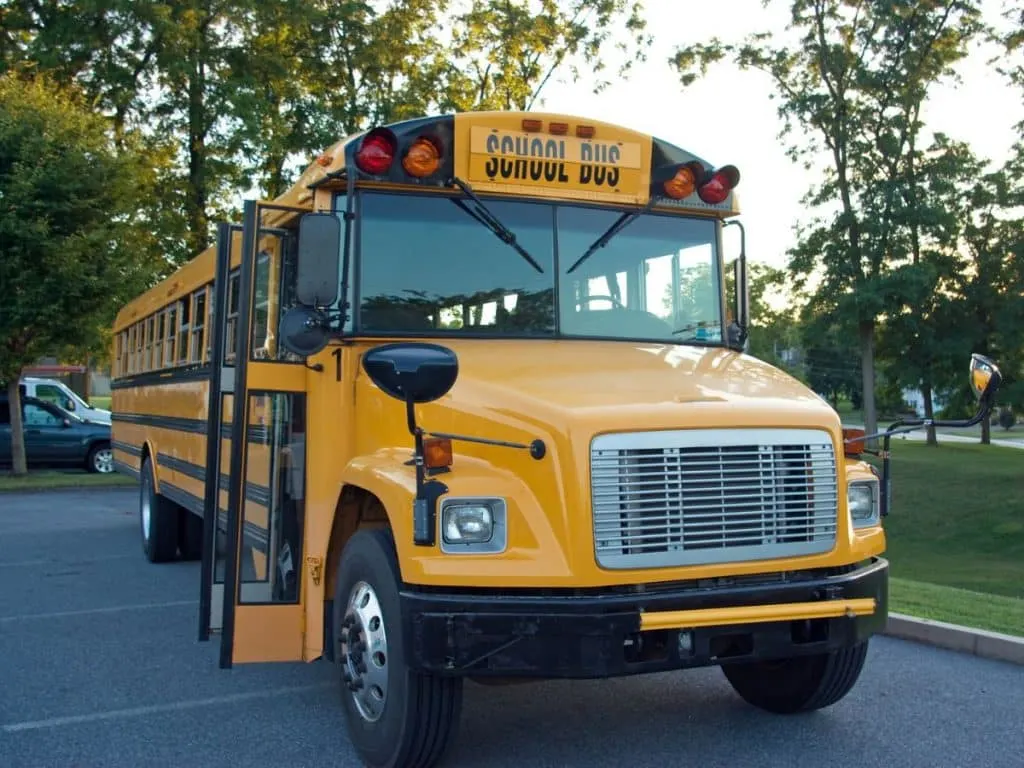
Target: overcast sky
point(728, 116)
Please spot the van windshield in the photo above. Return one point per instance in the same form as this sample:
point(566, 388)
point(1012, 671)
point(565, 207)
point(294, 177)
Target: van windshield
point(427, 266)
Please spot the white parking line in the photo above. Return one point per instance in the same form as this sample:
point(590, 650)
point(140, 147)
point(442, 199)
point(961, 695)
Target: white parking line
point(75, 561)
point(119, 714)
point(90, 611)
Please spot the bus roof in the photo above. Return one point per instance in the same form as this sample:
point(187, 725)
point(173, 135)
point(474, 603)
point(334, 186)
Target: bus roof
point(533, 154)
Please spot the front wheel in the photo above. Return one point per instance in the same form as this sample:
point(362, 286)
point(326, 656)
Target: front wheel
point(397, 718)
point(800, 684)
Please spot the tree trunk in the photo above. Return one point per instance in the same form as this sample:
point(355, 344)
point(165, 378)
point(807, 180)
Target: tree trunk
point(19, 464)
point(197, 129)
point(929, 411)
point(867, 367)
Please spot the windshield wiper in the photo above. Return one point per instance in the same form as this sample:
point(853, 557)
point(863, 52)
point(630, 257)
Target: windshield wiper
point(490, 221)
point(617, 226)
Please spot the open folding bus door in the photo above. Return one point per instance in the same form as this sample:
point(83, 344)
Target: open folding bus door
point(252, 591)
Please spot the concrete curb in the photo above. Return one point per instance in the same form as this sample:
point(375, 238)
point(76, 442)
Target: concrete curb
point(977, 642)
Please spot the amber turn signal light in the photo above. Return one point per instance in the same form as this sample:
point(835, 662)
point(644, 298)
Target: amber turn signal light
point(437, 452)
point(682, 184)
point(423, 158)
point(853, 441)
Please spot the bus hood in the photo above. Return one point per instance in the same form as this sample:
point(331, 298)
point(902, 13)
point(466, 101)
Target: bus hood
point(596, 386)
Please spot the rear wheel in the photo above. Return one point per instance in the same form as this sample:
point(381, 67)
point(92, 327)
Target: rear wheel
point(158, 519)
point(396, 718)
point(799, 684)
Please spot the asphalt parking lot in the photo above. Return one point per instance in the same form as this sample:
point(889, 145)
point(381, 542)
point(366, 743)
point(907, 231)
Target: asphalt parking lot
point(101, 667)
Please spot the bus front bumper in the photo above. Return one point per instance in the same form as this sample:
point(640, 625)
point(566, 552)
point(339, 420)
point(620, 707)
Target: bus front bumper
point(608, 633)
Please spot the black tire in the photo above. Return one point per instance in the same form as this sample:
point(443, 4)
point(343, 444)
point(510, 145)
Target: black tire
point(419, 715)
point(100, 459)
point(190, 535)
point(800, 684)
point(160, 538)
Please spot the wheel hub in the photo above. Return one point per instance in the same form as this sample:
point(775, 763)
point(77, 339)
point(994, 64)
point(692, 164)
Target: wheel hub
point(364, 652)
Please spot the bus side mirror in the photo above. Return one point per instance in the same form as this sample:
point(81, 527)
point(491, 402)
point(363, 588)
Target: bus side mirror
point(413, 372)
point(318, 270)
point(985, 380)
point(739, 328)
point(304, 331)
point(416, 372)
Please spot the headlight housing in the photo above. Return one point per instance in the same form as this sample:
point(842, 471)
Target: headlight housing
point(473, 525)
point(863, 503)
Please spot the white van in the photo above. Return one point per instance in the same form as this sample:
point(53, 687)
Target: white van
point(58, 393)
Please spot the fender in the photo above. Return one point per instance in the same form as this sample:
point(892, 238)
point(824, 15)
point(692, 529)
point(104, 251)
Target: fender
point(384, 474)
point(538, 546)
point(149, 449)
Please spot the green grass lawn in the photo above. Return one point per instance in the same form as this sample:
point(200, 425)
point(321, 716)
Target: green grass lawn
point(43, 479)
point(957, 606)
point(100, 401)
point(957, 524)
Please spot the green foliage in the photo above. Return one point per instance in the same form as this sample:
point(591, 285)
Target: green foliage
point(74, 241)
point(850, 84)
point(233, 94)
point(506, 52)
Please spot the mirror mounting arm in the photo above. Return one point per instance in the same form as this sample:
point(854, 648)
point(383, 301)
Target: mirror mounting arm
point(348, 217)
point(986, 401)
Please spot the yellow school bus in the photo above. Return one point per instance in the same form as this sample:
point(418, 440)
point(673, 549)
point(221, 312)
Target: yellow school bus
point(471, 400)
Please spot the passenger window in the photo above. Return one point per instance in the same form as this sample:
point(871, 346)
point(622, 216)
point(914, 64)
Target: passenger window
point(50, 394)
point(37, 416)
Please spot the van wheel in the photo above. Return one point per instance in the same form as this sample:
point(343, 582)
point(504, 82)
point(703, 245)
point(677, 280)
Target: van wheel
point(396, 718)
point(101, 459)
point(158, 519)
point(799, 684)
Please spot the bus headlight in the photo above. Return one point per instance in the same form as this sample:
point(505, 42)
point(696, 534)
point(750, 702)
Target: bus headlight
point(473, 525)
point(862, 500)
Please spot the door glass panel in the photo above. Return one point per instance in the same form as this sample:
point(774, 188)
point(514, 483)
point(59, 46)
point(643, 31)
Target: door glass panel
point(272, 525)
point(224, 463)
point(273, 293)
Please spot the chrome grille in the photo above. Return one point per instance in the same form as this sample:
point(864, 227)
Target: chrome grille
point(712, 496)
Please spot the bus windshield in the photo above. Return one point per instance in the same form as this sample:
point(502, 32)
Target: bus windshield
point(426, 265)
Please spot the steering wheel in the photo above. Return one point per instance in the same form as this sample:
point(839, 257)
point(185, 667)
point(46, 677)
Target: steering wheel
point(612, 299)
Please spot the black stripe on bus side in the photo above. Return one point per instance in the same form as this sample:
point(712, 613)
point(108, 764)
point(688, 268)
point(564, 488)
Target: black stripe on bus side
point(194, 504)
point(169, 376)
point(258, 433)
point(177, 423)
point(131, 450)
point(254, 492)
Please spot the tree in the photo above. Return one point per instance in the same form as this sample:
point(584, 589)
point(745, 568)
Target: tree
point(506, 51)
point(71, 246)
point(852, 81)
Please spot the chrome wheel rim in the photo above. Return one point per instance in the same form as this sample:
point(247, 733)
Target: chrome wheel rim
point(103, 461)
point(144, 507)
point(364, 652)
